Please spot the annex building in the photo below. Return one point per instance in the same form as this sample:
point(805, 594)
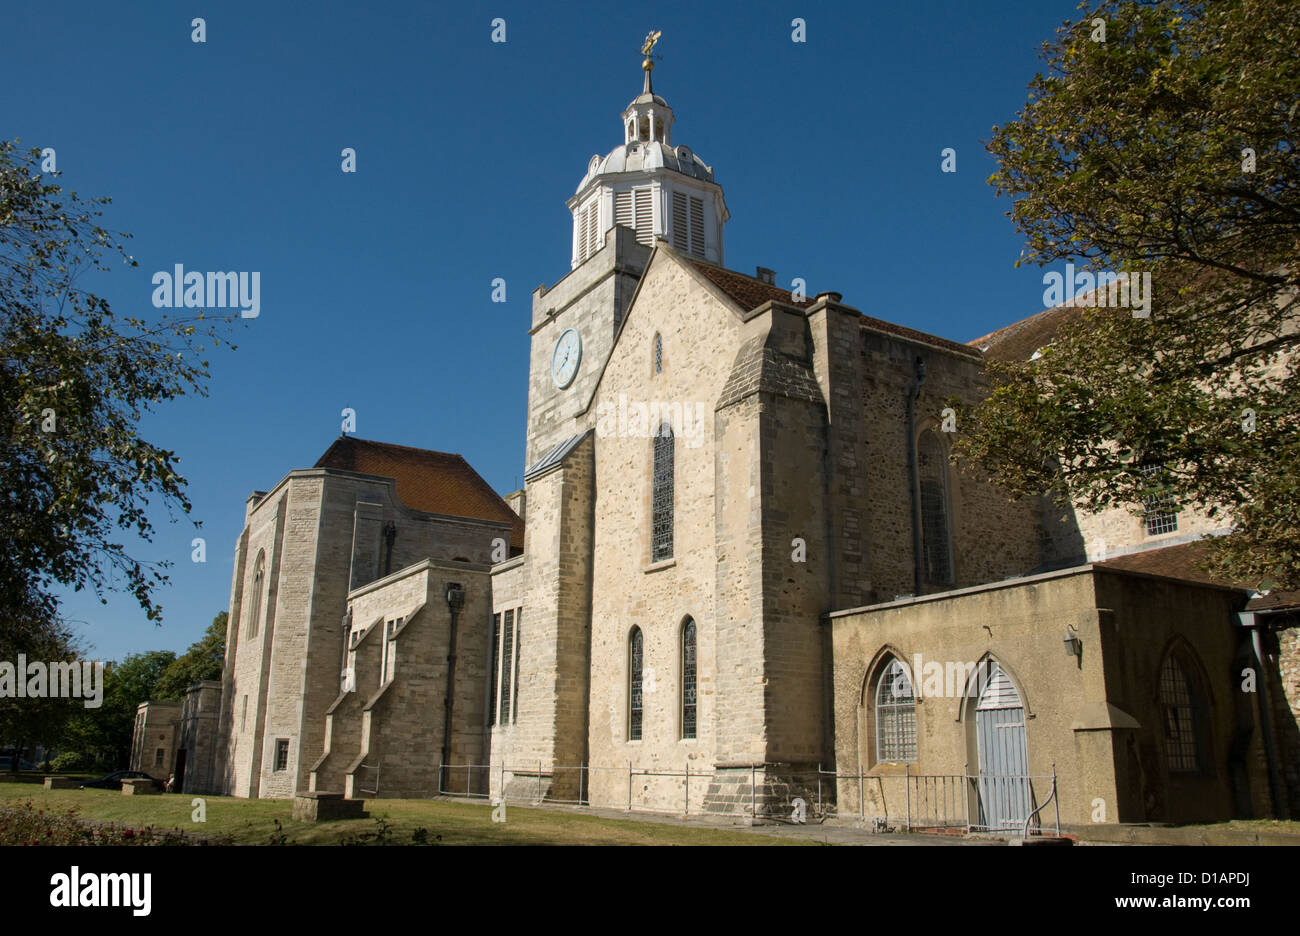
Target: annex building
point(742, 569)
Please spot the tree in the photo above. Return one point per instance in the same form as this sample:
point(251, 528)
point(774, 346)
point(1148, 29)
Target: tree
point(104, 734)
point(203, 660)
point(1166, 148)
point(28, 721)
point(75, 382)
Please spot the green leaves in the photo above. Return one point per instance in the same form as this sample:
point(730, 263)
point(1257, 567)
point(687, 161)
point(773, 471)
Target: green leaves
point(1129, 158)
point(63, 351)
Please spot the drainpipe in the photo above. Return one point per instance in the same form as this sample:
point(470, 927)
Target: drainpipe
point(455, 601)
point(912, 477)
point(1250, 620)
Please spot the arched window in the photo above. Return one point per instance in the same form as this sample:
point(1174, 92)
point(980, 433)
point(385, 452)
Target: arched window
point(688, 679)
point(936, 545)
point(658, 354)
point(895, 715)
point(255, 605)
point(635, 660)
point(1182, 710)
point(661, 526)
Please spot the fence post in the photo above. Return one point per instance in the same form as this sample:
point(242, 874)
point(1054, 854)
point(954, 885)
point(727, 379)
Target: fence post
point(819, 788)
point(687, 810)
point(629, 786)
point(965, 795)
point(503, 780)
point(753, 792)
point(907, 788)
point(862, 803)
point(467, 779)
point(1056, 801)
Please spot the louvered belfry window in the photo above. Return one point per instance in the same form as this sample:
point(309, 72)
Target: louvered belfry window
point(634, 707)
point(633, 209)
point(588, 233)
point(688, 679)
point(688, 223)
point(661, 541)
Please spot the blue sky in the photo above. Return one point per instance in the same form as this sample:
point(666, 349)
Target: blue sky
point(376, 286)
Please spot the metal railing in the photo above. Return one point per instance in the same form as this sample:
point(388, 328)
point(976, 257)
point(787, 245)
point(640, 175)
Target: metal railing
point(969, 802)
point(906, 802)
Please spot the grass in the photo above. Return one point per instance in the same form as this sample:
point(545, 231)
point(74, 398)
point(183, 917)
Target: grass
point(253, 822)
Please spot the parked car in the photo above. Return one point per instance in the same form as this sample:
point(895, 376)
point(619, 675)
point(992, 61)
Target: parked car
point(114, 780)
point(7, 764)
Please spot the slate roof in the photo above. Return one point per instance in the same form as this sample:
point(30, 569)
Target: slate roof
point(554, 456)
point(434, 482)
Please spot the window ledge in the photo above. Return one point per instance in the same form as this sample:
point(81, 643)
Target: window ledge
point(889, 769)
point(660, 565)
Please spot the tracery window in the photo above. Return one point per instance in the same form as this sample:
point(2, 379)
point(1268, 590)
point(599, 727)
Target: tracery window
point(661, 542)
point(688, 679)
point(636, 651)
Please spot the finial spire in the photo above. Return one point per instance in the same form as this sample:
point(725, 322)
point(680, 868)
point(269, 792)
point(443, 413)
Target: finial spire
point(648, 63)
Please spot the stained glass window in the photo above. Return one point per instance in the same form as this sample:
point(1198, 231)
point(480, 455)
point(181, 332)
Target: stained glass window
point(688, 679)
point(661, 543)
point(635, 651)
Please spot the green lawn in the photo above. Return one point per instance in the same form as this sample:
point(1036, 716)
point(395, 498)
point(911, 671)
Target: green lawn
point(253, 821)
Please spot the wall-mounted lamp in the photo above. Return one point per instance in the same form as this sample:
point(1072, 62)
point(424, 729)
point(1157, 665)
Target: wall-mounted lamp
point(1073, 645)
point(455, 596)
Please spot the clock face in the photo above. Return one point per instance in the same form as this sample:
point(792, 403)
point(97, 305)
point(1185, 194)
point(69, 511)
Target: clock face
point(565, 358)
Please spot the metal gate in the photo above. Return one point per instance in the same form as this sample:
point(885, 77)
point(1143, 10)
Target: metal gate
point(1004, 794)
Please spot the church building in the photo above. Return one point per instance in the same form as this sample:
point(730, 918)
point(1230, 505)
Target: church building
point(742, 570)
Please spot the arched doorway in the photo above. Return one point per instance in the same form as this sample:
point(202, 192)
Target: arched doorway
point(1004, 795)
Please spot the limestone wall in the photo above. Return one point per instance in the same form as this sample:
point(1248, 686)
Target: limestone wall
point(1095, 717)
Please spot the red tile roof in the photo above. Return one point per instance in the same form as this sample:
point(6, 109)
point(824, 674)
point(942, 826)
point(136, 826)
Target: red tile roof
point(1019, 340)
point(434, 482)
point(750, 293)
point(746, 291)
point(1183, 562)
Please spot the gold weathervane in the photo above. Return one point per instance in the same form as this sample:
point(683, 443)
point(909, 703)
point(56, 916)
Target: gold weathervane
point(648, 48)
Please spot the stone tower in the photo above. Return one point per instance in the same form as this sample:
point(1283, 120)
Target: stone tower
point(644, 189)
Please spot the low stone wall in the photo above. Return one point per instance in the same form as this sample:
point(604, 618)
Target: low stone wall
point(322, 807)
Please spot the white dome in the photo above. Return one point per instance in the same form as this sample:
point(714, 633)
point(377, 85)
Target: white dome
point(635, 157)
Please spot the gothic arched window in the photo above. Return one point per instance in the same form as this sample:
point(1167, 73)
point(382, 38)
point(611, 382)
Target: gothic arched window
point(895, 714)
point(936, 544)
point(661, 525)
point(658, 354)
point(1182, 709)
point(635, 662)
point(255, 605)
point(688, 679)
